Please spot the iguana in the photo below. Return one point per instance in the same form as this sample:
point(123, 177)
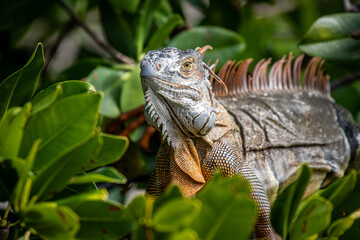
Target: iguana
point(261, 127)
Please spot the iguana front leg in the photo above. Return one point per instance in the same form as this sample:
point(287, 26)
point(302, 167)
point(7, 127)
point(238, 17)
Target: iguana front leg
point(226, 158)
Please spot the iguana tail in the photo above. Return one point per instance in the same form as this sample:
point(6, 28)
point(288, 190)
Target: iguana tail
point(352, 132)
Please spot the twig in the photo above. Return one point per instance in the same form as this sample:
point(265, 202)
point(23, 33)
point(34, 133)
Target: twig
point(51, 53)
point(344, 81)
point(117, 55)
point(348, 7)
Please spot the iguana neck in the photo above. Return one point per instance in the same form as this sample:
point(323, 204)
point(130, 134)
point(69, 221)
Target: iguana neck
point(186, 158)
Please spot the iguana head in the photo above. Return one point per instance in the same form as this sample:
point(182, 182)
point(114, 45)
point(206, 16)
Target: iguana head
point(178, 93)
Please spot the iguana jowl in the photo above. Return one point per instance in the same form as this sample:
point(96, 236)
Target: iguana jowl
point(263, 128)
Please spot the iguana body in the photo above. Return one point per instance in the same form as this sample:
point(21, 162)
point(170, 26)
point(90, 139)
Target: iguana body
point(262, 129)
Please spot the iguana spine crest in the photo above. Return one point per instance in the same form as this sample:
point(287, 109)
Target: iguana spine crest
point(284, 76)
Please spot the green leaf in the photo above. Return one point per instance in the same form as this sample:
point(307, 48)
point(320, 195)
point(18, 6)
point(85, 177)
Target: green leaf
point(108, 81)
point(138, 133)
point(45, 98)
point(127, 5)
point(334, 37)
point(132, 95)
point(287, 202)
point(226, 44)
point(341, 225)
point(51, 221)
point(74, 190)
point(163, 32)
point(59, 91)
point(55, 175)
point(106, 174)
point(102, 220)
point(61, 126)
point(11, 131)
point(117, 29)
point(113, 147)
point(187, 233)
point(136, 208)
point(78, 199)
point(19, 87)
point(349, 205)
point(339, 190)
point(176, 214)
point(172, 192)
point(139, 233)
point(226, 203)
point(143, 23)
point(23, 186)
point(312, 218)
point(351, 202)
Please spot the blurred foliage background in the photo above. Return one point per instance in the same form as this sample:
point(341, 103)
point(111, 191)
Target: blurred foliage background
point(102, 41)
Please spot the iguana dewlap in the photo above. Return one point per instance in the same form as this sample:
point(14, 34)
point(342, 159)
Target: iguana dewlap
point(262, 128)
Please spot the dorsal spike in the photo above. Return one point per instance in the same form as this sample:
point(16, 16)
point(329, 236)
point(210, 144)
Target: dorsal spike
point(256, 75)
point(232, 87)
point(263, 77)
point(229, 76)
point(284, 75)
point(288, 80)
point(217, 89)
point(279, 74)
point(242, 75)
point(275, 75)
point(297, 71)
point(310, 74)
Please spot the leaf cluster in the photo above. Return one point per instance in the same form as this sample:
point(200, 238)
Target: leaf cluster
point(212, 214)
point(329, 213)
point(49, 147)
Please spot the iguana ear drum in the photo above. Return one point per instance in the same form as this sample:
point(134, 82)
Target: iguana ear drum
point(203, 122)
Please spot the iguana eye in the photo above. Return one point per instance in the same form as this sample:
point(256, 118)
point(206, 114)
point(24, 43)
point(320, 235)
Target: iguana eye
point(187, 65)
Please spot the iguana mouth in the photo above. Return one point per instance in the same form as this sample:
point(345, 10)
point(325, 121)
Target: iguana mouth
point(177, 86)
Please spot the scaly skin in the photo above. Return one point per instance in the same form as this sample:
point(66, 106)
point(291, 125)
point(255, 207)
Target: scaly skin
point(180, 104)
point(262, 129)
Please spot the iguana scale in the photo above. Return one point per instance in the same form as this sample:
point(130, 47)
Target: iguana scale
point(262, 127)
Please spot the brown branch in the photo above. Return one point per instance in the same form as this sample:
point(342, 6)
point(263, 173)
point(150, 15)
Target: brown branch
point(344, 81)
point(116, 55)
point(145, 140)
point(133, 125)
point(124, 117)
